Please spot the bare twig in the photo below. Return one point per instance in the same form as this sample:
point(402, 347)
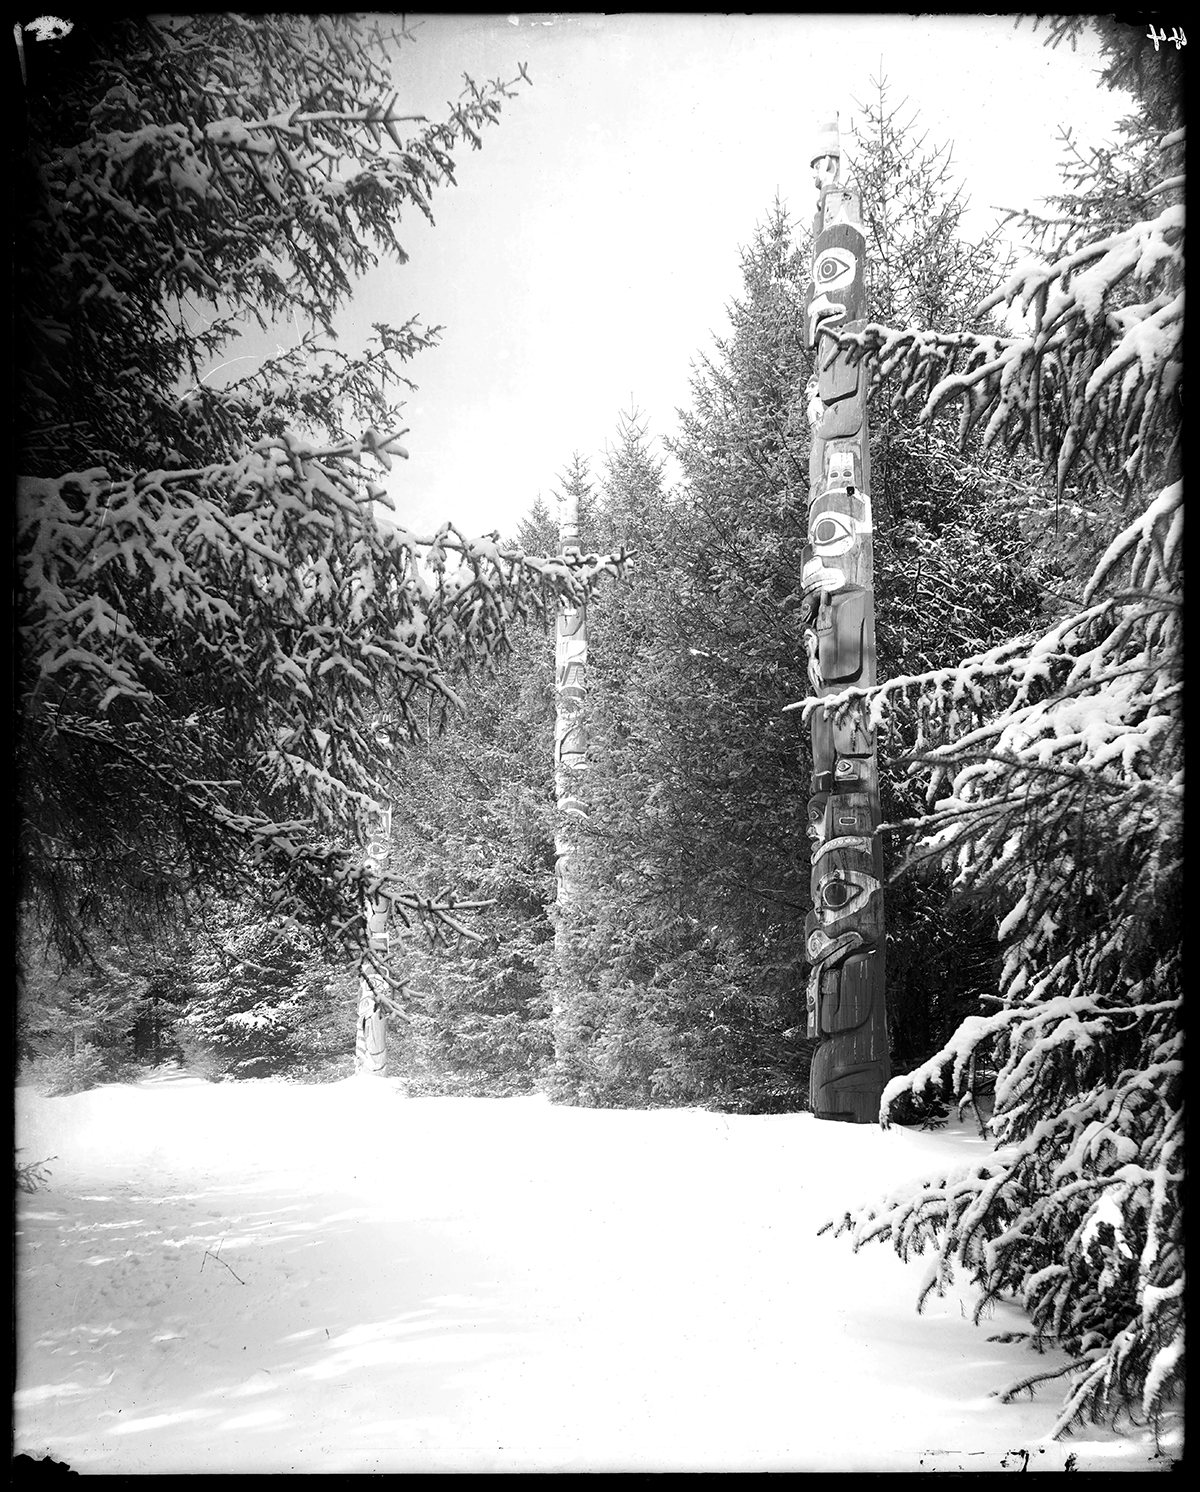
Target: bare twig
point(219, 1260)
point(33, 1174)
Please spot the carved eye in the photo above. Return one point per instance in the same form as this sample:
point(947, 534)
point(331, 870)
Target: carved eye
point(832, 534)
point(836, 893)
point(834, 269)
point(842, 894)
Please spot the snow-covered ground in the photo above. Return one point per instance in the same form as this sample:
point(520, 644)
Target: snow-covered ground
point(267, 1277)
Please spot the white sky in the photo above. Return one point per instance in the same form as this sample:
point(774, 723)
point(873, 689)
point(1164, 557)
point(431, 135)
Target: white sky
point(590, 249)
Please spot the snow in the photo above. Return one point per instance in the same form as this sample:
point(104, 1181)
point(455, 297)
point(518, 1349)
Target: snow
point(271, 1277)
point(1105, 1210)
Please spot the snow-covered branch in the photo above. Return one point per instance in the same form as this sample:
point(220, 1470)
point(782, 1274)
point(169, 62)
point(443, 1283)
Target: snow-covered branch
point(1097, 372)
point(249, 613)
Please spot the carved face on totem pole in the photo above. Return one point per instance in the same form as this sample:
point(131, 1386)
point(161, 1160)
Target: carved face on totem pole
point(570, 667)
point(838, 292)
point(837, 300)
point(837, 556)
point(845, 631)
point(376, 851)
point(570, 654)
point(378, 836)
point(843, 1001)
point(839, 520)
point(847, 886)
point(844, 765)
point(846, 733)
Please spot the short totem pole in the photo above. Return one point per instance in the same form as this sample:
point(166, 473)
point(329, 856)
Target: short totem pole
point(370, 1046)
point(845, 930)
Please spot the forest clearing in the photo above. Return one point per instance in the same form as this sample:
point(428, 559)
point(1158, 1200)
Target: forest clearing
point(251, 1278)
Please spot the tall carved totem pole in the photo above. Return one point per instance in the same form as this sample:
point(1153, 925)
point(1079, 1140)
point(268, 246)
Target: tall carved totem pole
point(570, 755)
point(845, 930)
point(370, 1045)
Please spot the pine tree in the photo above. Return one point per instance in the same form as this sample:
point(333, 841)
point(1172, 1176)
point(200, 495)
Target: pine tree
point(261, 1001)
point(215, 605)
point(95, 1022)
point(598, 1058)
point(688, 990)
point(1054, 765)
point(920, 268)
point(476, 824)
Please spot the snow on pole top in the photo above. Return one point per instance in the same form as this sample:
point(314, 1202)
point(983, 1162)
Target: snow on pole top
point(827, 155)
point(568, 520)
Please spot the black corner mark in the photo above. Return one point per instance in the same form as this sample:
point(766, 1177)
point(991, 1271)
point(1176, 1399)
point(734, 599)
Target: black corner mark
point(38, 1470)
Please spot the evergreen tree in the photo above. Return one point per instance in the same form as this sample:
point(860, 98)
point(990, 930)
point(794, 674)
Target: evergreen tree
point(214, 603)
point(1055, 792)
point(476, 823)
point(920, 268)
point(262, 1002)
point(575, 482)
point(94, 1022)
point(689, 988)
point(537, 530)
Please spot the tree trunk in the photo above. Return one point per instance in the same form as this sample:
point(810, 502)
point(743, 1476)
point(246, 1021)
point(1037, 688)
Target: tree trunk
point(845, 929)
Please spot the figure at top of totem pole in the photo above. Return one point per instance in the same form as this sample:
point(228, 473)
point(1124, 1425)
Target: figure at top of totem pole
point(827, 156)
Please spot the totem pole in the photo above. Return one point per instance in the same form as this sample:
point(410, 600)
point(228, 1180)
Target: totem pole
point(370, 1046)
point(570, 658)
point(844, 933)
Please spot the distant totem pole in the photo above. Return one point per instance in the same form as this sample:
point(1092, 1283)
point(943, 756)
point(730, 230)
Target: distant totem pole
point(370, 1045)
point(845, 929)
point(570, 659)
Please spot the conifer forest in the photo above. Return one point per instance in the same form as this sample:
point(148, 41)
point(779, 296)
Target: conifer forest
point(304, 794)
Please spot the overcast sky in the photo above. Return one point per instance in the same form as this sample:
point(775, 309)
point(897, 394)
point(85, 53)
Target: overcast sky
point(590, 249)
